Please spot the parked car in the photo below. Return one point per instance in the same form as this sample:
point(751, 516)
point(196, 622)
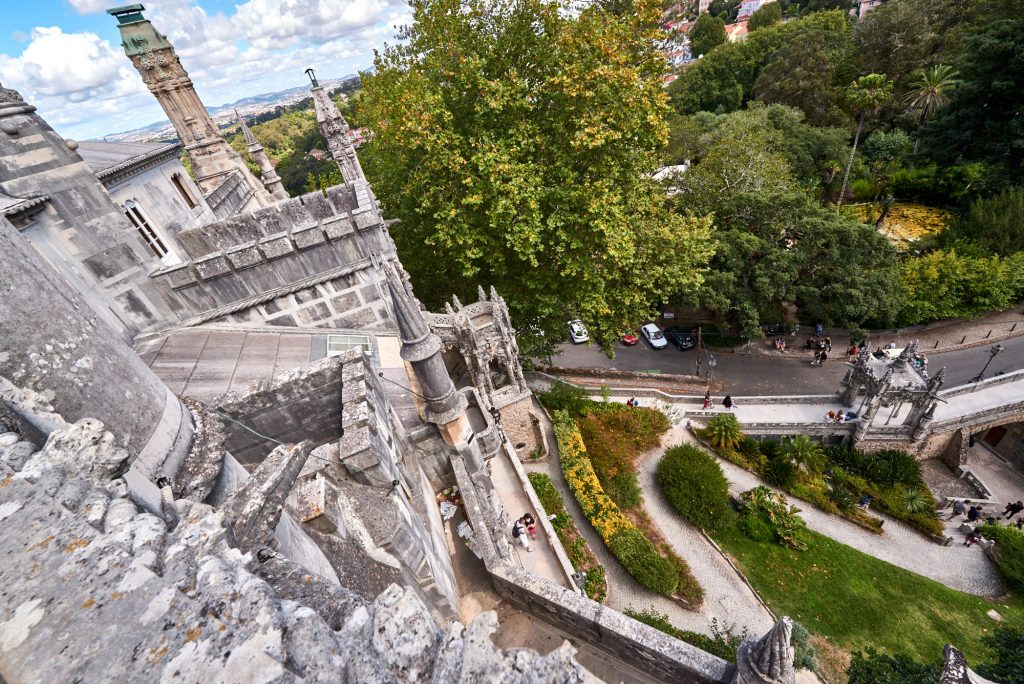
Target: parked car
point(629, 338)
point(578, 332)
point(682, 338)
point(654, 336)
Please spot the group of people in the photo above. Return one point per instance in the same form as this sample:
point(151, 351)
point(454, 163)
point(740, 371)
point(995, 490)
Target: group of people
point(632, 402)
point(728, 402)
point(840, 416)
point(780, 343)
point(525, 529)
point(975, 514)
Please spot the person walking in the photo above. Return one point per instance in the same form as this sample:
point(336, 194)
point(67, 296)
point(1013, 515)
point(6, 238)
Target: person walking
point(520, 534)
point(707, 401)
point(958, 508)
point(823, 358)
point(817, 358)
point(1013, 509)
point(728, 402)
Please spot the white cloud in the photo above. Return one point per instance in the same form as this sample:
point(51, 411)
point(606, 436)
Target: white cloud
point(84, 83)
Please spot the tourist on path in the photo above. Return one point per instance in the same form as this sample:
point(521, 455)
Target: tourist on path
point(707, 401)
point(958, 508)
point(974, 514)
point(728, 402)
point(520, 534)
point(1013, 509)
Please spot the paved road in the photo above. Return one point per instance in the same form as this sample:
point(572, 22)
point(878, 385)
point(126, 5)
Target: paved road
point(789, 373)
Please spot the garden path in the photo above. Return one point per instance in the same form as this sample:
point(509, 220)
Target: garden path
point(965, 569)
point(727, 598)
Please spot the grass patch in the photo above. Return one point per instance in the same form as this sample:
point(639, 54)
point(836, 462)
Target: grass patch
point(722, 643)
point(859, 601)
point(576, 547)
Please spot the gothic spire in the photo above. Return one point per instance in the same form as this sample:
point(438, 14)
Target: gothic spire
point(271, 181)
point(334, 128)
point(769, 659)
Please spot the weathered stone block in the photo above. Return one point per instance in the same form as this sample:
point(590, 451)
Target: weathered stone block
point(244, 257)
point(308, 237)
point(276, 246)
point(346, 302)
point(338, 228)
point(180, 276)
point(357, 319)
point(366, 219)
point(312, 314)
point(213, 266)
point(308, 295)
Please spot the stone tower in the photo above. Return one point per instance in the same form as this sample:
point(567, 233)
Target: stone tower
point(267, 174)
point(214, 163)
point(334, 128)
point(446, 408)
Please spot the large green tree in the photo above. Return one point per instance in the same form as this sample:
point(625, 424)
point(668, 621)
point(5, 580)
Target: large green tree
point(707, 33)
point(768, 15)
point(723, 80)
point(514, 140)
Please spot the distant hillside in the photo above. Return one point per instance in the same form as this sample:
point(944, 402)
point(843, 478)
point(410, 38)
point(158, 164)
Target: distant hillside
point(224, 115)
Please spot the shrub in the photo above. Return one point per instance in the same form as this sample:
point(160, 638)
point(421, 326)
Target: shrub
point(778, 513)
point(724, 431)
point(1010, 546)
point(779, 472)
point(717, 645)
point(694, 484)
point(614, 436)
point(641, 559)
point(843, 497)
point(916, 501)
point(803, 650)
point(636, 553)
point(872, 667)
point(1007, 643)
point(893, 467)
point(549, 497)
point(565, 397)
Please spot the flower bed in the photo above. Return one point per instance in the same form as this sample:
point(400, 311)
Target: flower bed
point(638, 554)
point(582, 558)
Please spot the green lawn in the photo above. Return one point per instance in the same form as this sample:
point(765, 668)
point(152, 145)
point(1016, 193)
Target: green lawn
point(857, 600)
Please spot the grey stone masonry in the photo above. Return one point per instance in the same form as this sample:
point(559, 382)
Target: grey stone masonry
point(95, 590)
point(312, 261)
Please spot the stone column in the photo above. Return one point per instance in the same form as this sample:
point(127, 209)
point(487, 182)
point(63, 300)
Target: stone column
point(54, 344)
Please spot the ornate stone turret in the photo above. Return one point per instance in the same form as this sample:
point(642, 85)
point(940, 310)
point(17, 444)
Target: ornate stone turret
point(213, 160)
point(446, 408)
point(769, 660)
point(334, 128)
point(267, 174)
point(956, 671)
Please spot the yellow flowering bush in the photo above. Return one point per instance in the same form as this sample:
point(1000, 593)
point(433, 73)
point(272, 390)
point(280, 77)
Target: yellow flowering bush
point(637, 554)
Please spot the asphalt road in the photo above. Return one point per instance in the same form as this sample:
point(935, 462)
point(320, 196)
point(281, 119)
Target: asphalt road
point(789, 373)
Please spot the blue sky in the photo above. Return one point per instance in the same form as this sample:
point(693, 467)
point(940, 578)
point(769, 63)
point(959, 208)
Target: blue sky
point(64, 56)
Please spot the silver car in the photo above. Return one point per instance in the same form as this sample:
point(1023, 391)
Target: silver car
point(578, 332)
point(654, 336)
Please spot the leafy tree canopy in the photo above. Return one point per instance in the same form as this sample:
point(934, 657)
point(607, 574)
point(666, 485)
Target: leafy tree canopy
point(767, 15)
point(707, 33)
point(514, 141)
point(723, 81)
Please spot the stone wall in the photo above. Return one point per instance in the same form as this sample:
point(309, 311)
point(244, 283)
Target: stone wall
point(522, 427)
point(95, 590)
point(294, 406)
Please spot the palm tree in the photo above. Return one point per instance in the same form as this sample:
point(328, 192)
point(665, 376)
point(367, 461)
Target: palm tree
point(929, 92)
point(805, 453)
point(866, 96)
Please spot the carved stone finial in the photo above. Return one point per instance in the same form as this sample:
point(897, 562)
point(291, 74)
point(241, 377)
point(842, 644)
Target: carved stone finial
point(456, 303)
point(768, 660)
point(956, 671)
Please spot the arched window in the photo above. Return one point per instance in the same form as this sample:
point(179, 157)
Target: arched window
point(150, 235)
point(179, 183)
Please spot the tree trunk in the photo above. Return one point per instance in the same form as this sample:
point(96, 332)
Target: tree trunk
point(849, 163)
point(917, 141)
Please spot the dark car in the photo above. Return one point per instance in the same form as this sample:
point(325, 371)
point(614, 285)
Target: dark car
point(682, 338)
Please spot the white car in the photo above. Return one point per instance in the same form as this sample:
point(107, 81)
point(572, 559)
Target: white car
point(654, 336)
point(578, 332)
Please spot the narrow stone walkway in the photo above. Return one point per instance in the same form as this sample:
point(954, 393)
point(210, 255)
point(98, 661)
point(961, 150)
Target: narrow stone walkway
point(965, 569)
point(727, 598)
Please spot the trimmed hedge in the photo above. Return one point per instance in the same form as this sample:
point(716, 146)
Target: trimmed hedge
point(1010, 551)
point(694, 484)
point(637, 554)
point(580, 554)
point(719, 645)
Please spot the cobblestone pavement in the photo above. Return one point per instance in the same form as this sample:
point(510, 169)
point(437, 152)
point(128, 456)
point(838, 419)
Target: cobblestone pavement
point(727, 598)
point(966, 569)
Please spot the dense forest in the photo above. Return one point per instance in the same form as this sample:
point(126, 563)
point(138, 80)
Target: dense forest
point(917, 104)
